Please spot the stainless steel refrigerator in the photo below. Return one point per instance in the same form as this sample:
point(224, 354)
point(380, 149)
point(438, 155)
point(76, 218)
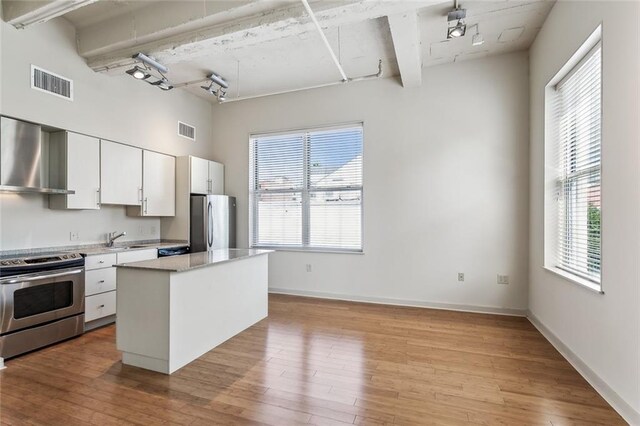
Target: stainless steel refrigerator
point(213, 222)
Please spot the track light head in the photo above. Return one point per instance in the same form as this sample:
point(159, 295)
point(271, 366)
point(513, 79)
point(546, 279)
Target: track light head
point(163, 84)
point(138, 73)
point(477, 39)
point(458, 30)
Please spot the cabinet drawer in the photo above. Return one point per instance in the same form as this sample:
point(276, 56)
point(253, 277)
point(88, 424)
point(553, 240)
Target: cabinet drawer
point(137, 255)
point(99, 281)
point(99, 305)
point(99, 261)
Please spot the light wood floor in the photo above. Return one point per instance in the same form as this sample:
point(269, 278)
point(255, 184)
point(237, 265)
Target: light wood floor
point(319, 362)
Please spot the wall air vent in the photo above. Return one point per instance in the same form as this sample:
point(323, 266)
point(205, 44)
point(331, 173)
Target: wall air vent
point(54, 84)
point(186, 131)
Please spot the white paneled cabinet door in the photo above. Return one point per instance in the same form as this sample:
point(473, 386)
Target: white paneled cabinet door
point(199, 175)
point(159, 184)
point(120, 174)
point(83, 171)
point(216, 178)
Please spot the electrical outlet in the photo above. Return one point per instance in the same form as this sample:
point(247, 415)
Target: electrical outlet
point(153, 229)
point(308, 267)
point(140, 230)
point(74, 236)
point(460, 276)
point(503, 279)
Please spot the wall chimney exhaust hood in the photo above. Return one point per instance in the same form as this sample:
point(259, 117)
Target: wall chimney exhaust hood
point(22, 169)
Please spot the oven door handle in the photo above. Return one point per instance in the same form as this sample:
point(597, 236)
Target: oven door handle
point(38, 276)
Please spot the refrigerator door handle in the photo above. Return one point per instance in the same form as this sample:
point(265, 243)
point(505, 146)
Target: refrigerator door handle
point(210, 223)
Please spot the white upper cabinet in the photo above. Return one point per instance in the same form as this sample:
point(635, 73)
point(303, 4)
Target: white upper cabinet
point(74, 165)
point(199, 175)
point(207, 177)
point(158, 184)
point(216, 178)
point(120, 174)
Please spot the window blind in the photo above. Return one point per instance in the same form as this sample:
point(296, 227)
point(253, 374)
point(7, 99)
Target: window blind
point(306, 189)
point(577, 114)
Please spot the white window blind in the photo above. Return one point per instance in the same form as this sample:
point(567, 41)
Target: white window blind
point(576, 110)
point(306, 189)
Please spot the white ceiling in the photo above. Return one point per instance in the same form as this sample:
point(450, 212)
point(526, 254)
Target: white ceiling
point(263, 47)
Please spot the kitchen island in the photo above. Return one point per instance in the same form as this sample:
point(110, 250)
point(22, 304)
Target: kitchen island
point(172, 310)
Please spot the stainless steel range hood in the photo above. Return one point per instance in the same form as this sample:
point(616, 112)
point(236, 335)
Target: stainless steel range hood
point(22, 168)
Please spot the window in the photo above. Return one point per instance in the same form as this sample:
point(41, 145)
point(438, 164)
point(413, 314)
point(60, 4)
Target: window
point(306, 189)
point(574, 104)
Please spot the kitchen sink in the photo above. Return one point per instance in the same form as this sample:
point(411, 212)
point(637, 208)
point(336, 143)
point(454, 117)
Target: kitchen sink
point(135, 246)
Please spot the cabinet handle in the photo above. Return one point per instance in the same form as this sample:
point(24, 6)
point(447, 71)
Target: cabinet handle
point(140, 195)
point(101, 282)
point(146, 204)
point(100, 261)
point(101, 306)
point(98, 197)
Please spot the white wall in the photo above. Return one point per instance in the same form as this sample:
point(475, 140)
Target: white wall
point(118, 108)
point(603, 331)
point(445, 183)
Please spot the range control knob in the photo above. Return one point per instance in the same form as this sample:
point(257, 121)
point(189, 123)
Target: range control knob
point(16, 262)
point(72, 255)
point(65, 256)
point(6, 262)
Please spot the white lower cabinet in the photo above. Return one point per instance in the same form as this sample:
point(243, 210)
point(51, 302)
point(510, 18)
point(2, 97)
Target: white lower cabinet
point(99, 306)
point(100, 283)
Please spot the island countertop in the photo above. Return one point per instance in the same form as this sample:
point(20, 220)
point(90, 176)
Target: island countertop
point(190, 261)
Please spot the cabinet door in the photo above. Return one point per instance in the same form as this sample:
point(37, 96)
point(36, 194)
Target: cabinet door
point(216, 178)
point(159, 184)
point(99, 306)
point(120, 174)
point(199, 175)
point(83, 171)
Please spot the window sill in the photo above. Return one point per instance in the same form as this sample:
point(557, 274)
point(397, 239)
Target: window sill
point(304, 250)
point(589, 285)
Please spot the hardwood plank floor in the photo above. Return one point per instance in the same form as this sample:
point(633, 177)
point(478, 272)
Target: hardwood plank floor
point(317, 362)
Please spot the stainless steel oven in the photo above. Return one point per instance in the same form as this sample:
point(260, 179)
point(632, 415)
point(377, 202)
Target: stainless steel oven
point(41, 301)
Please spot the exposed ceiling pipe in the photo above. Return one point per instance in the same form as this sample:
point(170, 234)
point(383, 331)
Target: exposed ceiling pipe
point(335, 83)
point(324, 38)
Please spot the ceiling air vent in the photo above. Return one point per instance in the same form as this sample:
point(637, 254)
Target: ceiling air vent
point(186, 131)
point(51, 83)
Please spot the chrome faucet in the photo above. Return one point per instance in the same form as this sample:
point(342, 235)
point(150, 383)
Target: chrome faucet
point(112, 236)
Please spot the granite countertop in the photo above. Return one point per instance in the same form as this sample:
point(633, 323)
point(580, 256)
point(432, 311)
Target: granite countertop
point(90, 251)
point(190, 261)
point(93, 249)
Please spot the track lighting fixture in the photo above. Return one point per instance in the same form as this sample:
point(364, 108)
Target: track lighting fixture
point(220, 93)
point(460, 28)
point(144, 72)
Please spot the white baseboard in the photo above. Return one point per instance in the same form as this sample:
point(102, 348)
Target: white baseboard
point(611, 396)
point(401, 302)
